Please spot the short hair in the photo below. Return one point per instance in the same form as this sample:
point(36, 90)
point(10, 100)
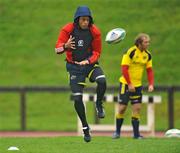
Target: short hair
point(139, 38)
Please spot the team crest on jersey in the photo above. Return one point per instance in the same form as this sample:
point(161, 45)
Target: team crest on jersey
point(73, 77)
point(80, 43)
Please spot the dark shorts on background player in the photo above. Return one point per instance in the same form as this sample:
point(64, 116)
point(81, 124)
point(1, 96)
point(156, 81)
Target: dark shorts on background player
point(125, 95)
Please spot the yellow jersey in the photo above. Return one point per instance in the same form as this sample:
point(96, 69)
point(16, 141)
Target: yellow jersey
point(137, 60)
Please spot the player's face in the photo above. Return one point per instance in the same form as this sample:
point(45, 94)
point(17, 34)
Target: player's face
point(145, 43)
point(84, 22)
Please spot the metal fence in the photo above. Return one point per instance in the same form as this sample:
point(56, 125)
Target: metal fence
point(170, 90)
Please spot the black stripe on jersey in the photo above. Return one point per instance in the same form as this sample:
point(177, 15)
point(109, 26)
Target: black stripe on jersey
point(149, 55)
point(132, 53)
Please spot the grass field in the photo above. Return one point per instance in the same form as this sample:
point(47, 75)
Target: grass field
point(98, 145)
point(29, 30)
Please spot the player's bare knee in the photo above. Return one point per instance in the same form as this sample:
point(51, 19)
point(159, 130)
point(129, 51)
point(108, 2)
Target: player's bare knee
point(122, 109)
point(136, 111)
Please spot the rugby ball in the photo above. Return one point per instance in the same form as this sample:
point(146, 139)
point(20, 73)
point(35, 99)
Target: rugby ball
point(173, 133)
point(115, 36)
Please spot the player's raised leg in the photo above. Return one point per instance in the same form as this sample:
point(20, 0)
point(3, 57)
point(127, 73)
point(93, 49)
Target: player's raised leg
point(97, 75)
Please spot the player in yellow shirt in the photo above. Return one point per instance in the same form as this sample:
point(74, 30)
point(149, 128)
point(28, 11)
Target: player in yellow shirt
point(134, 61)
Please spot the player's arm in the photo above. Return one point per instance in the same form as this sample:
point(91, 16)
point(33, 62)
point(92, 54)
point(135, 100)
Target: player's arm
point(65, 40)
point(125, 73)
point(150, 75)
point(96, 45)
point(124, 69)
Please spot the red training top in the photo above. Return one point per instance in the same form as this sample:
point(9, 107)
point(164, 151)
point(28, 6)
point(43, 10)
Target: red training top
point(64, 35)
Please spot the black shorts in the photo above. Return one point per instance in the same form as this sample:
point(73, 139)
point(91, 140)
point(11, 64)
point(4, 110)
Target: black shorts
point(125, 95)
point(78, 75)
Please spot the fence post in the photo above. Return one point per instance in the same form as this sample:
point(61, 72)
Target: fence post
point(151, 117)
point(23, 109)
point(171, 107)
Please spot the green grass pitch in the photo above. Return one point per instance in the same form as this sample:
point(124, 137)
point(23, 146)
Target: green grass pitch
point(97, 145)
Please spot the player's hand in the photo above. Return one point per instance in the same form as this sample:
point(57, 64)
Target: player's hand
point(70, 44)
point(131, 88)
point(150, 88)
point(85, 62)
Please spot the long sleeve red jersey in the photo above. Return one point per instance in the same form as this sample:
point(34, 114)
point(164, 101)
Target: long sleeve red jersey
point(95, 46)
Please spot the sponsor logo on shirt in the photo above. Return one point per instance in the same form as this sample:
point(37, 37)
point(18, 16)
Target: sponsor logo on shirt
point(80, 43)
point(73, 77)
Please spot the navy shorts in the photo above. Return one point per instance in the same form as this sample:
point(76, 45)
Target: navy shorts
point(78, 75)
point(125, 95)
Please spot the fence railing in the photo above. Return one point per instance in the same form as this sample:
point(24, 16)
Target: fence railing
point(149, 100)
point(170, 90)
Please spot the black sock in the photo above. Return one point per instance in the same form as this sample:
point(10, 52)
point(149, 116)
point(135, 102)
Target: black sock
point(80, 109)
point(119, 122)
point(135, 124)
point(100, 90)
